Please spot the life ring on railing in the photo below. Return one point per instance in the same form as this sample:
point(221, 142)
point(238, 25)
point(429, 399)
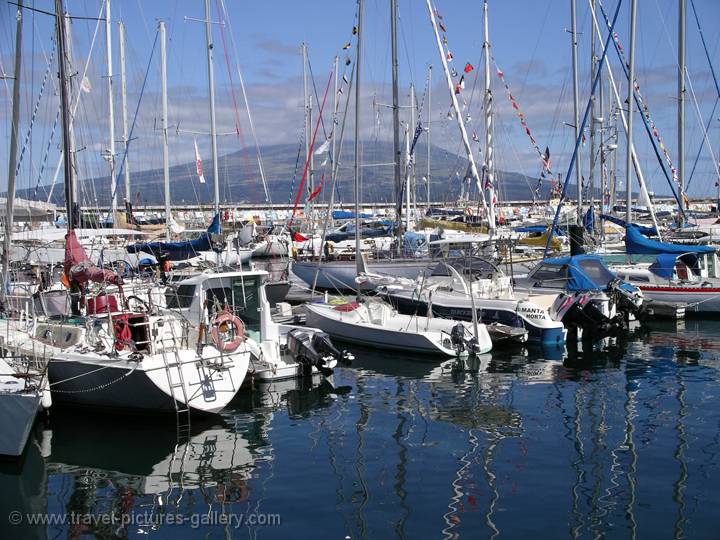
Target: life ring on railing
point(227, 331)
point(469, 211)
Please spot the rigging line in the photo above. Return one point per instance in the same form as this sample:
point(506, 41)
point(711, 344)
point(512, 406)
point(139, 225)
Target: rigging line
point(75, 104)
point(137, 109)
point(34, 112)
point(705, 135)
point(702, 142)
point(312, 145)
point(247, 105)
point(245, 98)
point(312, 79)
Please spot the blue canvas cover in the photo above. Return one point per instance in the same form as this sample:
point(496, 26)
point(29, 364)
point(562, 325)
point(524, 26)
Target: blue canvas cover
point(345, 214)
point(637, 244)
point(578, 278)
point(664, 265)
point(647, 231)
point(179, 251)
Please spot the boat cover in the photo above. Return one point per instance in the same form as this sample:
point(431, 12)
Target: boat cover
point(637, 244)
point(664, 265)
point(179, 251)
point(78, 266)
point(647, 231)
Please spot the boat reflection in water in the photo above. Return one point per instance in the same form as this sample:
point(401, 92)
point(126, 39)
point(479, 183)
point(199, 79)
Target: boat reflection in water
point(122, 476)
point(613, 439)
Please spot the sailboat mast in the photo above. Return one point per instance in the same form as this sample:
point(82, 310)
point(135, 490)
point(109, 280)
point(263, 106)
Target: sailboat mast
point(65, 115)
point(12, 161)
point(211, 92)
point(429, 117)
point(359, 266)
point(166, 157)
point(456, 109)
point(396, 124)
point(123, 94)
point(593, 124)
point(111, 109)
point(489, 165)
point(576, 110)
point(681, 101)
point(631, 93)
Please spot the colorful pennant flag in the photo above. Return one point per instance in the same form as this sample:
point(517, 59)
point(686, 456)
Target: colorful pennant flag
point(468, 67)
point(198, 163)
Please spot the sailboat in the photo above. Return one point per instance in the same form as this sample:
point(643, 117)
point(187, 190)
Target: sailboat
point(23, 387)
point(109, 355)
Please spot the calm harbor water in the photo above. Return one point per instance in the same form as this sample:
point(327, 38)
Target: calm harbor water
point(620, 441)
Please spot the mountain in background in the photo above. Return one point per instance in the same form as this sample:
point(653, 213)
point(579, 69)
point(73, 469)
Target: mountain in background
point(283, 166)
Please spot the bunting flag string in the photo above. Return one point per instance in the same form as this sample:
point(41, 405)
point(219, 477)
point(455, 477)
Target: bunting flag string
point(544, 156)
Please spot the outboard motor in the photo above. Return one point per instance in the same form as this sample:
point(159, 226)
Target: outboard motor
point(628, 300)
point(314, 349)
point(457, 337)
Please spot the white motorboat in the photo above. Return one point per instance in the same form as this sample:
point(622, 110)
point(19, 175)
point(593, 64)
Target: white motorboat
point(375, 323)
point(278, 351)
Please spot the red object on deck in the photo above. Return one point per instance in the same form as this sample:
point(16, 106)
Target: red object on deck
point(103, 303)
point(350, 306)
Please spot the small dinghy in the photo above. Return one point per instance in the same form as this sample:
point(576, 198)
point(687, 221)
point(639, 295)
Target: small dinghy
point(374, 323)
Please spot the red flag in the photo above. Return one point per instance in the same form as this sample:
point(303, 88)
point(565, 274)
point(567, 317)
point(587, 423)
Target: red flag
point(468, 67)
point(297, 237)
point(457, 88)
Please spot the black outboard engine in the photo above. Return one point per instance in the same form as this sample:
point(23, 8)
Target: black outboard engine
point(314, 349)
point(577, 312)
point(457, 338)
point(629, 302)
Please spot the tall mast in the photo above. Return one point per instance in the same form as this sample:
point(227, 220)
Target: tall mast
point(308, 129)
point(409, 133)
point(12, 161)
point(489, 165)
point(631, 91)
point(396, 123)
point(211, 92)
point(65, 114)
point(110, 156)
point(123, 93)
point(166, 157)
point(359, 265)
point(456, 108)
point(71, 112)
point(576, 112)
point(681, 101)
point(429, 116)
point(593, 116)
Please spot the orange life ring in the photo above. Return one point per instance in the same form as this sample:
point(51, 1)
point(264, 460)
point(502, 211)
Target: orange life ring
point(221, 325)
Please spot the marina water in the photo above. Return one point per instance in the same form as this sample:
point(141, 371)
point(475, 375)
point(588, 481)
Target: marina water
point(619, 440)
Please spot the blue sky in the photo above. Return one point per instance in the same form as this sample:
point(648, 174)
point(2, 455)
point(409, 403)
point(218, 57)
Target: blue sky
point(529, 42)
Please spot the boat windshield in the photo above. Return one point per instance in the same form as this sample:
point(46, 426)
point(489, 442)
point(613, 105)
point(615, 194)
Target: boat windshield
point(550, 275)
point(180, 297)
point(596, 271)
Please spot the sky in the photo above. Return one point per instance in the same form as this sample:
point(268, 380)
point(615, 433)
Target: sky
point(530, 43)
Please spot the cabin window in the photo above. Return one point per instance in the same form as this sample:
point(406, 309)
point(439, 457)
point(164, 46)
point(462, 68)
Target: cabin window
point(682, 271)
point(217, 298)
point(246, 301)
point(180, 298)
point(550, 274)
point(596, 271)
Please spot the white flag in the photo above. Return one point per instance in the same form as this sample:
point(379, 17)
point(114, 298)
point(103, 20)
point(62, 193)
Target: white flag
point(323, 148)
point(198, 163)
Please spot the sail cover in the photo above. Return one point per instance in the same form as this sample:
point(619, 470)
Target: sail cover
point(179, 251)
point(78, 266)
point(647, 231)
point(637, 244)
